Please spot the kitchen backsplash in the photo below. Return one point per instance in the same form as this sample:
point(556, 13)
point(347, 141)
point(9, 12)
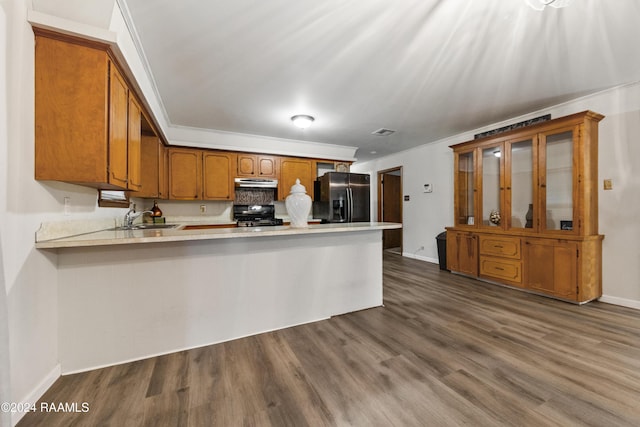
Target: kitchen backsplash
point(262, 196)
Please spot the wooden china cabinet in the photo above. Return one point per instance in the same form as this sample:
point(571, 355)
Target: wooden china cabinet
point(526, 209)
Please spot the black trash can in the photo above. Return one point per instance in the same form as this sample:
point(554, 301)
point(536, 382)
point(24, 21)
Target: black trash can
point(441, 240)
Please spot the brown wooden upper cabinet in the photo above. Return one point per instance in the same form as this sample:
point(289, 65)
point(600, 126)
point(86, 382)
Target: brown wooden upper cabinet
point(533, 190)
point(155, 169)
point(217, 175)
point(87, 121)
point(200, 174)
point(292, 168)
point(257, 165)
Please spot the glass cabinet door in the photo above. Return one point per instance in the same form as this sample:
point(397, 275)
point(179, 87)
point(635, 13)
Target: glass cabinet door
point(520, 184)
point(492, 185)
point(466, 189)
point(557, 184)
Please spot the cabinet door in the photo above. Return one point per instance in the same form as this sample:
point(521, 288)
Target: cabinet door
point(150, 166)
point(118, 132)
point(465, 188)
point(468, 254)
point(163, 172)
point(558, 181)
point(462, 253)
point(134, 146)
point(185, 174)
point(550, 266)
point(256, 165)
point(492, 186)
point(292, 169)
point(267, 166)
point(247, 164)
point(520, 182)
point(217, 173)
point(71, 112)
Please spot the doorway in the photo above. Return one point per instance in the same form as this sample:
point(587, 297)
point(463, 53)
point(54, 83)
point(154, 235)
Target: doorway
point(390, 206)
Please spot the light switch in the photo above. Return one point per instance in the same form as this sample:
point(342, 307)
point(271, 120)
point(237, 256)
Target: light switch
point(608, 184)
point(428, 188)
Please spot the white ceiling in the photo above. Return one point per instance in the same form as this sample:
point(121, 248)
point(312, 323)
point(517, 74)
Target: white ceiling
point(426, 68)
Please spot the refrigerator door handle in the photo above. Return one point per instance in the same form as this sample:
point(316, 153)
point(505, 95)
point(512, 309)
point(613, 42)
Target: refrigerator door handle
point(350, 204)
point(347, 205)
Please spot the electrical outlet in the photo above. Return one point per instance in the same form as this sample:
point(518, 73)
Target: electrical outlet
point(608, 184)
point(203, 209)
point(421, 248)
point(67, 205)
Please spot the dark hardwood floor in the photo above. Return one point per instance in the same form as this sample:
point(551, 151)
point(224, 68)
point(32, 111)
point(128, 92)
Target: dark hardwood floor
point(444, 351)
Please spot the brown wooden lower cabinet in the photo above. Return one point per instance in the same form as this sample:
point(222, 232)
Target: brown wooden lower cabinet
point(501, 258)
point(568, 269)
point(462, 253)
point(551, 267)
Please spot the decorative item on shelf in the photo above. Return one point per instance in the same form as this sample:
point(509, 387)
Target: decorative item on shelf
point(529, 217)
point(342, 167)
point(566, 225)
point(494, 217)
point(298, 205)
point(155, 210)
point(155, 215)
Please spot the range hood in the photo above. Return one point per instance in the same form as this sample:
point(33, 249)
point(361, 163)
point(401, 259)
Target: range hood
point(256, 183)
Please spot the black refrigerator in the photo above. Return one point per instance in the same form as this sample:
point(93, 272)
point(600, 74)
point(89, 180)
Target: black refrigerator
point(343, 197)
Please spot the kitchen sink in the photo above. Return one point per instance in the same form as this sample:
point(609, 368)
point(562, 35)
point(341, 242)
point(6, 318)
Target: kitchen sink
point(148, 227)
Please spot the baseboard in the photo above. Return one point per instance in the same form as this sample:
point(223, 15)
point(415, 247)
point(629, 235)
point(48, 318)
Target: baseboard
point(624, 302)
point(420, 257)
point(38, 392)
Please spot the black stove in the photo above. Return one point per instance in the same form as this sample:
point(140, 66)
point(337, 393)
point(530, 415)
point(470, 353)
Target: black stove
point(255, 215)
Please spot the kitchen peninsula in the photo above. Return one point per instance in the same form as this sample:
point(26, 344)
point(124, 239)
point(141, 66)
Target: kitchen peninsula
point(128, 295)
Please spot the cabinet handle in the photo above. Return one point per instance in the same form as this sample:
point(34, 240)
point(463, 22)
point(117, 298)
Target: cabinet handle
point(500, 268)
point(498, 246)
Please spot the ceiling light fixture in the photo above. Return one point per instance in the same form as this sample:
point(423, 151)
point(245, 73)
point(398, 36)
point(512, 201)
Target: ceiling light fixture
point(383, 132)
point(303, 121)
point(541, 4)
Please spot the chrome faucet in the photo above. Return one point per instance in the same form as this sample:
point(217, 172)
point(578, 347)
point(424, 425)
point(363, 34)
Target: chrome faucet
point(131, 216)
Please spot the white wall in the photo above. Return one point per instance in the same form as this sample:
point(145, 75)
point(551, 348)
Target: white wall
point(5, 379)
point(426, 214)
point(30, 275)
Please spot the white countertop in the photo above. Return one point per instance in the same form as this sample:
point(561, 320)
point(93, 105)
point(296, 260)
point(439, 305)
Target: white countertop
point(126, 237)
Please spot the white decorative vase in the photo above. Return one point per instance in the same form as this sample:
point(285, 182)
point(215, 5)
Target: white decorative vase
point(298, 205)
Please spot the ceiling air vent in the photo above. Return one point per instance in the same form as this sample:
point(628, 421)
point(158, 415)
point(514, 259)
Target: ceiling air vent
point(383, 132)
